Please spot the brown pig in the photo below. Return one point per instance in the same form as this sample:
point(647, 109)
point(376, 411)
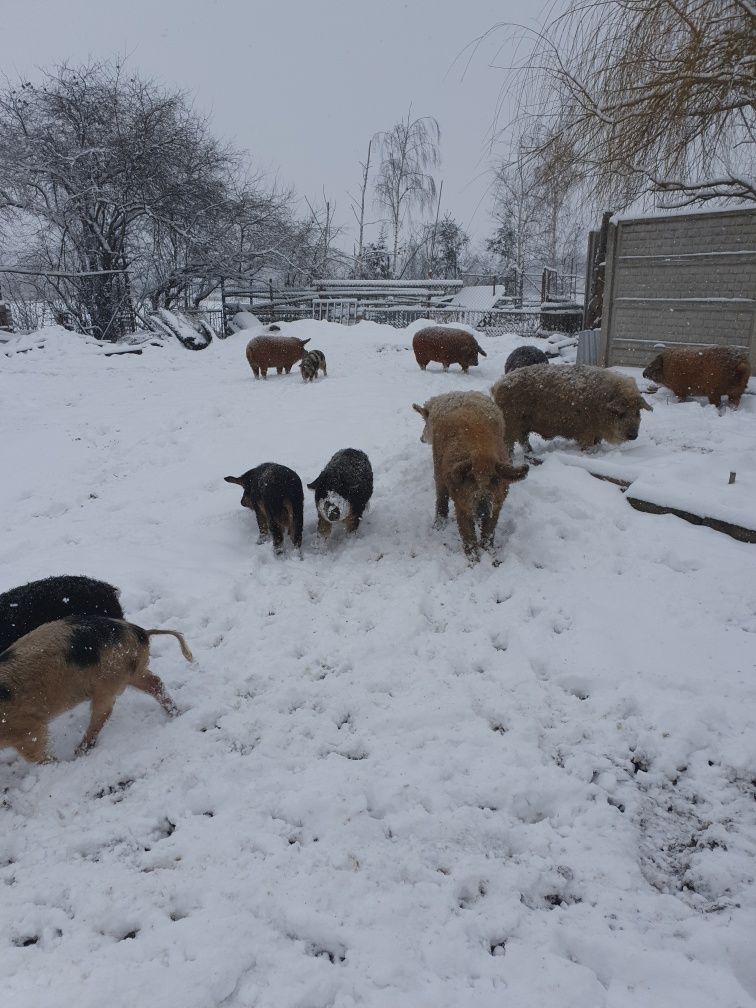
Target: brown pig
point(471, 466)
point(446, 346)
point(273, 351)
point(712, 372)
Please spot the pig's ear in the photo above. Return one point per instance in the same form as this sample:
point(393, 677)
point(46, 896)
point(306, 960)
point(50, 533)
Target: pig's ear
point(313, 485)
point(421, 410)
point(462, 471)
point(511, 473)
point(233, 479)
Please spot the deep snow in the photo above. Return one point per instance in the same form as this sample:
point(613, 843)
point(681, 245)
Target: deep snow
point(398, 780)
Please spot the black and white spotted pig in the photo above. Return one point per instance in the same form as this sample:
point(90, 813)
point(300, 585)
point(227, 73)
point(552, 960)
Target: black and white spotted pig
point(312, 362)
point(64, 663)
point(342, 490)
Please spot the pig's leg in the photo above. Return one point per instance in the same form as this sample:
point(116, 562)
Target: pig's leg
point(466, 526)
point(152, 684)
point(442, 505)
point(488, 527)
point(276, 532)
point(262, 524)
point(101, 709)
point(33, 746)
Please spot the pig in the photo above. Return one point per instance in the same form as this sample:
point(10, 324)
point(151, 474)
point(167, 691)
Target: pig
point(577, 401)
point(25, 608)
point(471, 466)
point(312, 362)
point(442, 404)
point(63, 663)
point(274, 492)
point(712, 372)
point(446, 346)
point(524, 356)
point(273, 351)
point(342, 490)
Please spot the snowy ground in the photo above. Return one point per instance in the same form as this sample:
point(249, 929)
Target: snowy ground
point(398, 780)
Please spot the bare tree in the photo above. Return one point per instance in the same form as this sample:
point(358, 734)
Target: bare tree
point(655, 96)
point(121, 193)
point(518, 210)
point(376, 260)
point(409, 151)
point(438, 250)
point(358, 210)
point(324, 257)
point(247, 227)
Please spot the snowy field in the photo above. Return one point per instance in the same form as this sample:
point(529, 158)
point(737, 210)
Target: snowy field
point(398, 779)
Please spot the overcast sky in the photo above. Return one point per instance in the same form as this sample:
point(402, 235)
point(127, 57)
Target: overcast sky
point(302, 84)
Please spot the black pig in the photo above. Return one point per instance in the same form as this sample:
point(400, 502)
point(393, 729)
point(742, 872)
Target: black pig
point(27, 607)
point(275, 494)
point(524, 356)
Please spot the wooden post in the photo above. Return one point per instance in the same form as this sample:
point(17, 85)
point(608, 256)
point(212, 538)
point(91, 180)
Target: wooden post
point(224, 328)
point(596, 274)
point(433, 236)
point(607, 284)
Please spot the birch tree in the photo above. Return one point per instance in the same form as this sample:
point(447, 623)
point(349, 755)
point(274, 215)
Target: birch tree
point(409, 152)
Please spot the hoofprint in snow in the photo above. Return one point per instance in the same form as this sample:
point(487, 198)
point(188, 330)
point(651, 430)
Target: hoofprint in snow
point(398, 779)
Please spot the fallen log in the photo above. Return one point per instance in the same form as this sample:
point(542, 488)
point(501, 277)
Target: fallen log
point(739, 532)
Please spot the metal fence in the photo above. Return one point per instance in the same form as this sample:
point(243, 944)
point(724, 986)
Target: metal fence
point(492, 322)
point(522, 321)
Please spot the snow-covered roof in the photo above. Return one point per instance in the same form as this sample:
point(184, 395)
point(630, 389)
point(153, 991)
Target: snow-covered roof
point(660, 214)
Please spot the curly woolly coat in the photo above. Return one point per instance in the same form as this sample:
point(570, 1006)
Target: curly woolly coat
point(272, 351)
point(712, 372)
point(440, 405)
point(587, 404)
point(446, 346)
point(471, 465)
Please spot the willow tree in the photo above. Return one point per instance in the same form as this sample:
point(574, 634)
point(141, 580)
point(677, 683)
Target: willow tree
point(649, 96)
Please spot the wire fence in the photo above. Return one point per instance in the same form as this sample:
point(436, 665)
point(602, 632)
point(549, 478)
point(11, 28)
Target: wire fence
point(505, 320)
point(494, 322)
